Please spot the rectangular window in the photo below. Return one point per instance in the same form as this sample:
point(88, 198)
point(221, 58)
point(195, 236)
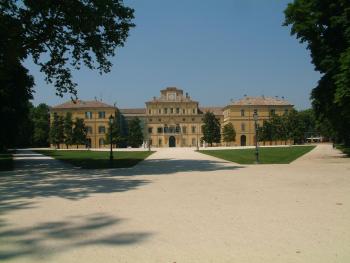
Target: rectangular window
point(89, 129)
point(160, 130)
point(160, 142)
point(242, 113)
point(272, 112)
point(184, 129)
point(177, 110)
point(183, 111)
point(150, 129)
point(256, 111)
point(101, 129)
point(171, 110)
point(194, 142)
point(149, 112)
point(159, 111)
point(286, 111)
point(165, 110)
point(193, 129)
point(88, 115)
point(194, 111)
point(243, 126)
point(101, 115)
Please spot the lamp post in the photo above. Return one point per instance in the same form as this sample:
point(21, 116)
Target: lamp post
point(256, 138)
point(111, 121)
point(197, 139)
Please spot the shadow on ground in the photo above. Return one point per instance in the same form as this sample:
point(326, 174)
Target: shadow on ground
point(51, 178)
point(35, 177)
point(46, 239)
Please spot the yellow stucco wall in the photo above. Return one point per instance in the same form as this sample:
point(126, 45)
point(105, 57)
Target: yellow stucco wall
point(244, 125)
point(94, 123)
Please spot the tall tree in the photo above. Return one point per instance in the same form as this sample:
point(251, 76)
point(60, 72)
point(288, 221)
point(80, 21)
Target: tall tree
point(119, 131)
point(69, 33)
point(15, 93)
point(41, 121)
point(57, 131)
point(229, 133)
point(79, 132)
point(324, 25)
point(68, 130)
point(135, 134)
point(211, 129)
point(24, 136)
point(59, 36)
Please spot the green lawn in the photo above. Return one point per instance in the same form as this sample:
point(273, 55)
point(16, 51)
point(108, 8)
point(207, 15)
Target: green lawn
point(98, 160)
point(6, 161)
point(344, 149)
point(267, 155)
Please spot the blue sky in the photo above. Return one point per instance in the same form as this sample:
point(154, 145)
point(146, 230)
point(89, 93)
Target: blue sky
point(215, 50)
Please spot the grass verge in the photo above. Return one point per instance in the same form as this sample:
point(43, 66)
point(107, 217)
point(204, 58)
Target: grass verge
point(344, 149)
point(267, 155)
point(98, 160)
point(6, 161)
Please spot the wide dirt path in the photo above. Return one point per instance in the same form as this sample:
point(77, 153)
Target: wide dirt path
point(177, 206)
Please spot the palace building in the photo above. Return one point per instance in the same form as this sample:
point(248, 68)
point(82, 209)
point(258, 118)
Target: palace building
point(174, 119)
point(95, 115)
point(241, 114)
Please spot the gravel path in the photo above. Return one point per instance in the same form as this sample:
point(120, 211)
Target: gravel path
point(177, 206)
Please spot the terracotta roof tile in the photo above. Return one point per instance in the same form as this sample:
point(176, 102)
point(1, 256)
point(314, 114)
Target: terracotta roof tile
point(215, 110)
point(262, 101)
point(80, 104)
point(133, 111)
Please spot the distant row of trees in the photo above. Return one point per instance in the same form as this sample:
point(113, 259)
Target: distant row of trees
point(26, 128)
point(125, 133)
point(295, 126)
point(212, 130)
point(35, 130)
point(66, 131)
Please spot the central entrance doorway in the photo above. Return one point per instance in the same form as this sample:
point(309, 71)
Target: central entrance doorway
point(172, 141)
point(243, 140)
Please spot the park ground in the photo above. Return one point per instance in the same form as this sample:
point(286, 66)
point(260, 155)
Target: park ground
point(178, 205)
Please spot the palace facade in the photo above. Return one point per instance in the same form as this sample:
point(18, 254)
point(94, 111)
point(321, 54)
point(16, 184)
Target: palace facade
point(174, 119)
point(95, 115)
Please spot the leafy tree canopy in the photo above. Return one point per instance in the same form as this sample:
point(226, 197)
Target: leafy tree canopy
point(57, 130)
point(119, 131)
point(211, 128)
point(79, 132)
point(15, 92)
point(68, 129)
point(41, 120)
point(324, 25)
point(229, 133)
point(135, 135)
point(63, 35)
